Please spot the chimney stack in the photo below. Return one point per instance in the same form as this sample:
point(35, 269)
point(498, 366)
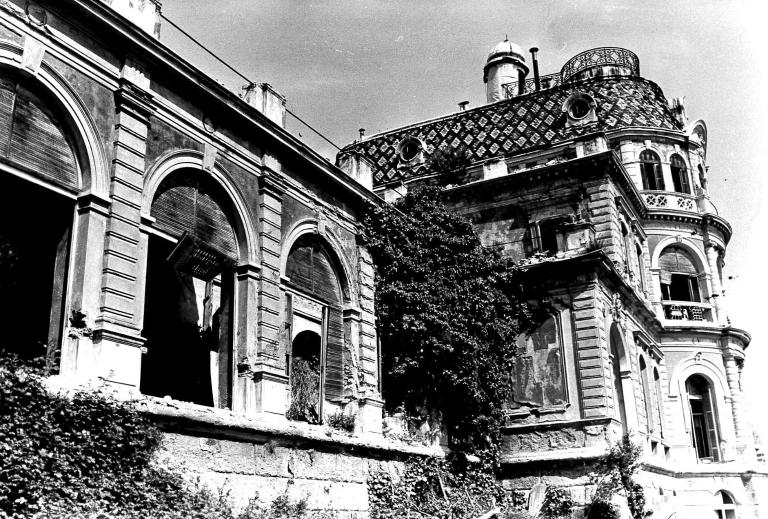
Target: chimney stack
point(362, 133)
point(463, 105)
point(535, 59)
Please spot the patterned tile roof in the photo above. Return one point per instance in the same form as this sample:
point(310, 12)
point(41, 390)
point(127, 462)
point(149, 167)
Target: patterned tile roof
point(523, 123)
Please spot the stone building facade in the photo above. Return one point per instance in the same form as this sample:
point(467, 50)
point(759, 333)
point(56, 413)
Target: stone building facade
point(596, 184)
point(171, 240)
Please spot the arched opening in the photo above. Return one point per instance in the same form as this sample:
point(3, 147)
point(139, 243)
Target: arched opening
point(705, 432)
point(314, 298)
point(725, 505)
point(40, 175)
point(647, 401)
point(618, 362)
point(680, 180)
point(650, 171)
point(188, 315)
point(680, 288)
point(659, 402)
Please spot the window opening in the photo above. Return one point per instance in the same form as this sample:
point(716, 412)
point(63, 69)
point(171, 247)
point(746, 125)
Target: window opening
point(659, 402)
point(650, 170)
point(725, 506)
point(680, 180)
point(305, 378)
point(548, 234)
point(640, 265)
point(704, 427)
point(617, 358)
point(647, 402)
point(34, 259)
point(679, 277)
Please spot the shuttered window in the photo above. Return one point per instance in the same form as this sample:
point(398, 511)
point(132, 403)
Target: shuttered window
point(678, 276)
point(32, 136)
point(334, 355)
point(310, 270)
point(185, 202)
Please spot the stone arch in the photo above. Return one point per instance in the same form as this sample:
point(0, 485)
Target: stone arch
point(688, 245)
point(169, 163)
point(335, 249)
point(94, 167)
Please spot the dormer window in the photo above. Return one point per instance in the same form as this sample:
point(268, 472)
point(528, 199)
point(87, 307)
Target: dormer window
point(650, 171)
point(411, 150)
point(579, 108)
point(680, 180)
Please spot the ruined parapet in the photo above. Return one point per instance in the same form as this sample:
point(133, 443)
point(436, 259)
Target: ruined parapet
point(143, 13)
point(266, 100)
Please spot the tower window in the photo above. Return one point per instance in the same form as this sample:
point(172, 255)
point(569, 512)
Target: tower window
point(650, 170)
point(679, 276)
point(704, 427)
point(679, 175)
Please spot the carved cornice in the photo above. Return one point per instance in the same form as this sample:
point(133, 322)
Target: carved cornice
point(134, 99)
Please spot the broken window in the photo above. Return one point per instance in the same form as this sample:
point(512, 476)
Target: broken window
point(650, 171)
point(316, 329)
point(188, 317)
point(551, 234)
point(539, 377)
point(704, 426)
point(679, 175)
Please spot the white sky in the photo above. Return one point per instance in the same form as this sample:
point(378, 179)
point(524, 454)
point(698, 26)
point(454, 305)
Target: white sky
point(381, 64)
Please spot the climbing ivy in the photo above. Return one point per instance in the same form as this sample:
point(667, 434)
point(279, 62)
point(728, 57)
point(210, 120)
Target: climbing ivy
point(449, 310)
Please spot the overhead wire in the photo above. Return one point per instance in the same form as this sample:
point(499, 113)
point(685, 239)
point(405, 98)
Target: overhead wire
point(244, 77)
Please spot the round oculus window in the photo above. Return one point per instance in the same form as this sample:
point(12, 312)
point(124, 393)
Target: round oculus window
point(579, 108)
point(410, 148)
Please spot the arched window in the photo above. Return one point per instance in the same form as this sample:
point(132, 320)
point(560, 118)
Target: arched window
point(539, 374)
point(679, 280)
point(650, 171)
point(618, 359)
point(659, 402)
point(188, 312)
point(680, 179)
point(705, 432)
point(725, 505)
point(647, 401)
point(314, 319)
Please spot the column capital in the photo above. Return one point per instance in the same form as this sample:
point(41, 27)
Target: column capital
point(133, 99)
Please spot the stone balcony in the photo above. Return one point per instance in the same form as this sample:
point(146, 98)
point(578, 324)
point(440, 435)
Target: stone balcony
point(688, 312)
point(668, 200)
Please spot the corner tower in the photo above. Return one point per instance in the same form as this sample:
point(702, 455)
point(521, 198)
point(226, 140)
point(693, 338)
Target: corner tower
point(505, 64)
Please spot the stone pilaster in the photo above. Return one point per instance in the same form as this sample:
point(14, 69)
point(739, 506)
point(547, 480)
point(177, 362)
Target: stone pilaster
point(742, 429)
point(117, 332)
point(717, 288)
point(270, 393)
point(248, 278)
point(368, 371)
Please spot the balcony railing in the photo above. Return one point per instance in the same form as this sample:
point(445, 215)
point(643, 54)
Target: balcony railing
point(601, 57)
point(529, 85)
point(666, 200)
point(687, 311)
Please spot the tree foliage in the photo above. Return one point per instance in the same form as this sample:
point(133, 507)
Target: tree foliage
point(617, 477)
point(448, 310)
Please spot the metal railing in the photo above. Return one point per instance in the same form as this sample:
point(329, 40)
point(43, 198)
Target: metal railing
point(687, 311)
point(599, 57)
point(529, 85)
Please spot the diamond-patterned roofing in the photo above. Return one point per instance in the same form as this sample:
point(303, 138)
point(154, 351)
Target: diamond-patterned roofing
point(523, 123)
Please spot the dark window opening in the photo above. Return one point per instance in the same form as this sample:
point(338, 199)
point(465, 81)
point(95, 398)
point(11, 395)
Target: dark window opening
point(188, 327)
point(679, 175)
point(305, 378)
point(579, 109)
point(679, 276)
point(704, 427)
point(659, 402)
point(650, 170)
point(617, 358)
point(647, 401)
point(548, 234)
point(681, 287)
point(34, 256)
point(725, 505)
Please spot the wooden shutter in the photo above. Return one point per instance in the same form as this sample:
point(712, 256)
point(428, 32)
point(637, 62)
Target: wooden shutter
point(677, 261)
point(309, 268)
point(186, 206)
point(32, 136)
point(334, 355)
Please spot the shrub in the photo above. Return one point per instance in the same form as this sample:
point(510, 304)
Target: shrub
point(558, 503)
point(342, 421)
